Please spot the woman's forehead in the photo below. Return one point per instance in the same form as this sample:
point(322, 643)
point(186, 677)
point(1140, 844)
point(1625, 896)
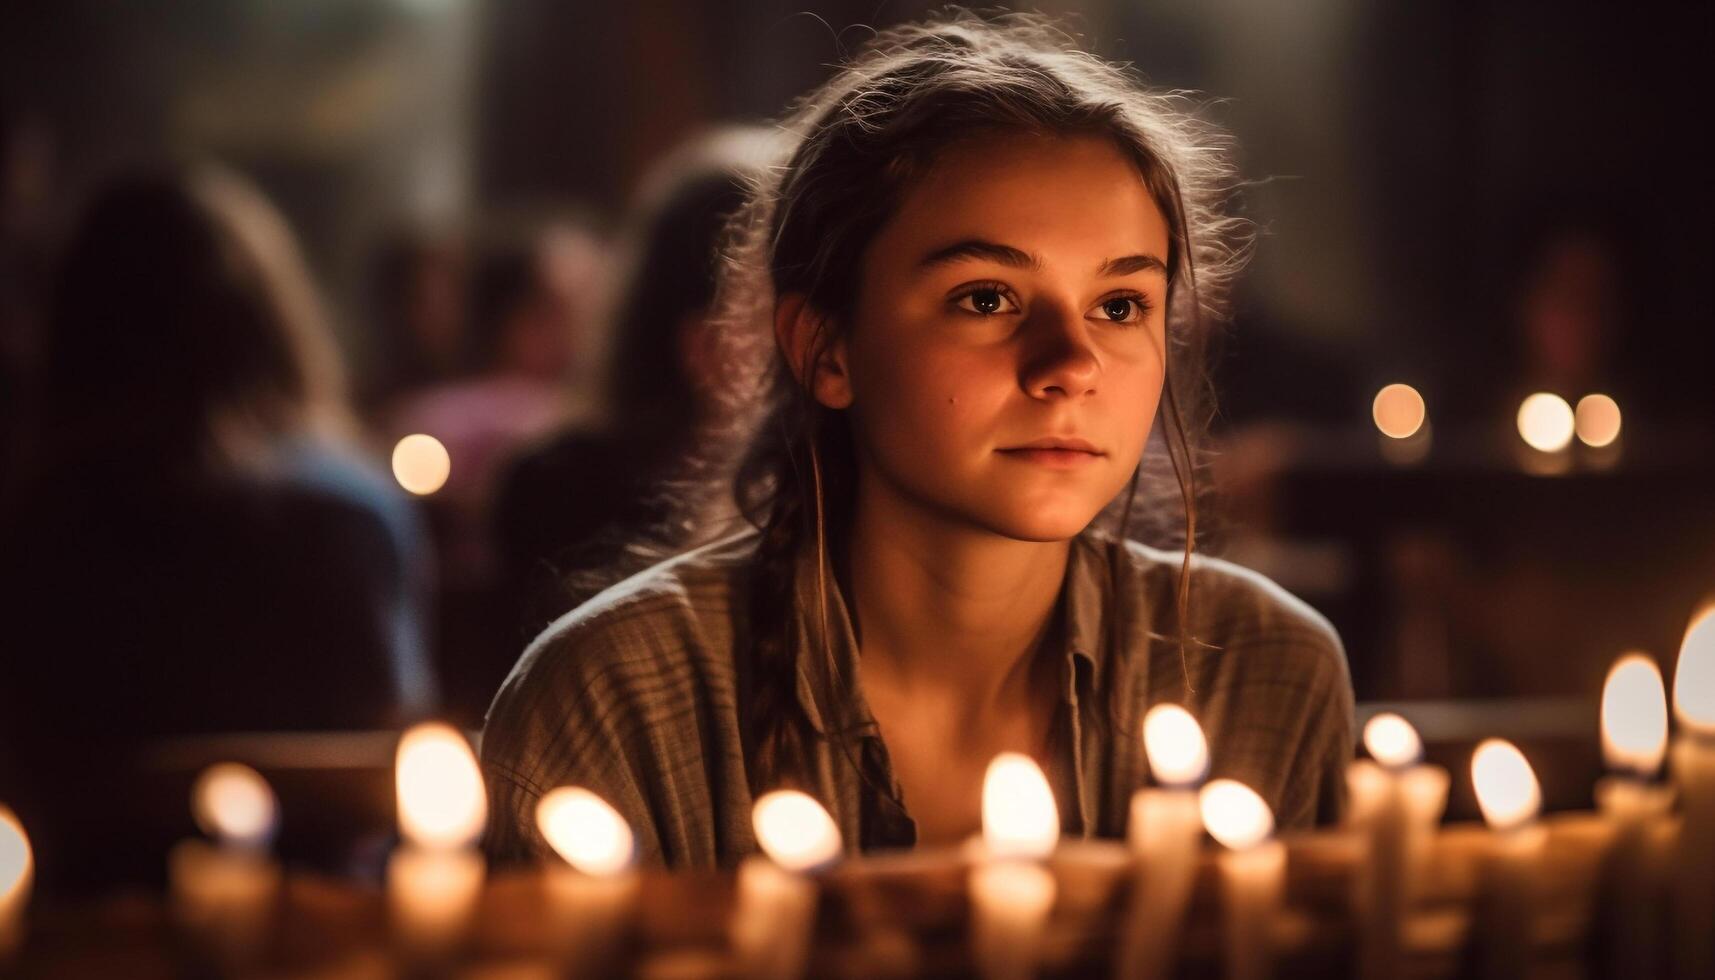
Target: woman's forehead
point(1055, 197)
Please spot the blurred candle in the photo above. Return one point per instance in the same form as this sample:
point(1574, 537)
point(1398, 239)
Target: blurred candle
point(224, 894)
point(776, 912)
point(1011, 892)
point(1504, 925)
point(1396, 803)
point(592, 897)
point(17, 873)
point(1545, 422)
point(1634, 740)
point(1253, 874)
point(1164, 833)
point(421, 464)
point(1597, 419)
point(434, 877)
point(1694, 774)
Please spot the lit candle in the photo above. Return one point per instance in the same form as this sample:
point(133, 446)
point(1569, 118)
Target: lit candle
point(435, 876)
point(1504, 925)
point(1253, 874)
point(1634, 740)
point(1164, 834)
point(591, 897)
point(225, 894)
point(1011, 892)
point(776, 912)
point(1694, 774)
point(17, 872)
point(1396, 803)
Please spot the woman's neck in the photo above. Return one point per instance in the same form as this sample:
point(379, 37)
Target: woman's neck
point(942, 608)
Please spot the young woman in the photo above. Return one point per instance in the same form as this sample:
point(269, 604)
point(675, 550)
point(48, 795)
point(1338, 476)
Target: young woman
point(984, 271)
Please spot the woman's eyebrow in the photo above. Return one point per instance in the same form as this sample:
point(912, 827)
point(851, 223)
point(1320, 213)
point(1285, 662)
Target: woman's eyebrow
point(978, 248)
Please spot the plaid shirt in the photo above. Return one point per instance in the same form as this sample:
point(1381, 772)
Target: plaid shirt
point(634, 696)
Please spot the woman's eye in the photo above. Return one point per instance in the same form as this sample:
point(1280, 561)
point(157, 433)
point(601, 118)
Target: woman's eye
point(986, 302)
point(1124, 309)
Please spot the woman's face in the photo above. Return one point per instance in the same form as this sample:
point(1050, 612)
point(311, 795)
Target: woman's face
point(1006, 353)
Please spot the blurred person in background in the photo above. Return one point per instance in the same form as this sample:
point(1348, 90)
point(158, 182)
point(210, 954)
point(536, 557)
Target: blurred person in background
point(417, 305)
point(570, 511)
point(193, 546)
point(526, 324)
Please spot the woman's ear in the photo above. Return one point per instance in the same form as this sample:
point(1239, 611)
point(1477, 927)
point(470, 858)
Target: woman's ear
point(797, 329)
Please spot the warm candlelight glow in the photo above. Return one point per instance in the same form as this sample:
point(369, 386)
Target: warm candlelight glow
point(17, 862)
point(1694, 678)
point(1235, 815)
point(1398, 411)
point(795, 830)
point(1634, 716)
point(1392, 741)
point(421, 464)
point(584, 830)
point(1545, 422)
point(441, 801)
point(235, 805)
point(1507, 791)
point(1597, 420)
point(1178, 753)
point(1019, 817)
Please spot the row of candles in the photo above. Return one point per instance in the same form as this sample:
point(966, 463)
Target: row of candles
point(224, 888)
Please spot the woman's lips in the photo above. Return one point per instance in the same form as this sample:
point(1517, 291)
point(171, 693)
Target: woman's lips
point(1057, 458)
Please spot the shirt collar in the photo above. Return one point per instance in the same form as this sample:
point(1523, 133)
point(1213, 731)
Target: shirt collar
point(827, 674)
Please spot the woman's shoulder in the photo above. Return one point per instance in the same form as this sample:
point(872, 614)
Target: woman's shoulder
point(1231, 606)
point(651, 615)
point(643, 655)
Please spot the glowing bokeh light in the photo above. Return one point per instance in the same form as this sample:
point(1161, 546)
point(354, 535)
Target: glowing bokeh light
point(1019, 816)
point(1392, 741)
point(1597, 420)
point(1545, 422)
point(234, 804)
point(1634, 715)
point(421, 464)
point(441, 799)
point(795, 831)
point(17, 861)
point(1178, 753)
point(1398, 411)
point(587, 832)
point(1694, 678)
point(1234, 814)
point(1507, 791)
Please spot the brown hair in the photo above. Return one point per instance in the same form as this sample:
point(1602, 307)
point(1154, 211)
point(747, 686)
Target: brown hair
point(861, 140)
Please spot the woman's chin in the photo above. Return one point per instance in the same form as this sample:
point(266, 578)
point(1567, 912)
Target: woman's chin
point(1040, 523)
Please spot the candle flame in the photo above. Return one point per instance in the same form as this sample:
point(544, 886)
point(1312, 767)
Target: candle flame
point(1597, 419)
point(584, 830)
point(421, 464)
point(795, 831)
point(234, 804)
point(441, 801)
point(1178, 753)
point(1634, 716)
point(1694, 678)
point(1398, 411)
point(1545, 422)
point(1019, 816)
point(1234, 814)
point(1392, 741)
point(1507, 791)
point(17, 861)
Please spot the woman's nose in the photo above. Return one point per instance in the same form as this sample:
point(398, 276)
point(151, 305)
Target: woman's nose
point(1059, 361)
